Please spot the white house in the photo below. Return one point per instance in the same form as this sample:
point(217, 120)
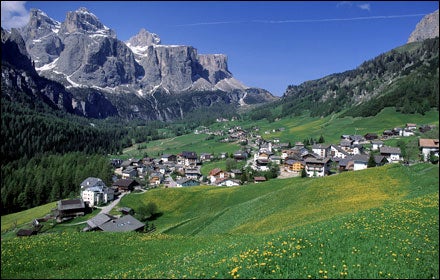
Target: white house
point(360, 162)
point(429, 146)
point(393, 154)
point(317, 167)
point(227, 182)
point(94, 192)
point(321, 150)
point(337, 152)
point(376, 144)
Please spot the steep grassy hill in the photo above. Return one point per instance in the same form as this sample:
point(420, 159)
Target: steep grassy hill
point(375, 223)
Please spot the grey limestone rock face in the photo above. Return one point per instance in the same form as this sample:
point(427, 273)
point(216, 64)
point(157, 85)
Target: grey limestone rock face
point(41, 37)
point(139, 77)
point(427, 28)
point(144, 38)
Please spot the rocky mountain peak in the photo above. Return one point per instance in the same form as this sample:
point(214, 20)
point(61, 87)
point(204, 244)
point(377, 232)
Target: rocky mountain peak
point(40, 25)
point(428, 27)
point(38, 18)
point(144, 38)
point(83, 21)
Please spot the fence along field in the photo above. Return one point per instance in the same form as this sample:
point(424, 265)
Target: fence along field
point(396, 237)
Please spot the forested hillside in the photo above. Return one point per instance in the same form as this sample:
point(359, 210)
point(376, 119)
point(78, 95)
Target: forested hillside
point(405, 78)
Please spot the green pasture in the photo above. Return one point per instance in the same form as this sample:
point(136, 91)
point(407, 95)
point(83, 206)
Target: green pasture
point(289, 129)
point(190, 142)
point(275, 205)
point(332, 127)
point(375, 223)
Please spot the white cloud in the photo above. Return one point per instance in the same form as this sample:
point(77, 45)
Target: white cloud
point(14, 14)
point(344, 3)
point(366, 6)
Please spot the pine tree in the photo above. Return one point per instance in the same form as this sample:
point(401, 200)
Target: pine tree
point(371, 161)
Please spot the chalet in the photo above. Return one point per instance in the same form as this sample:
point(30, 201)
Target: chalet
point(321, 150)
point(380, 160)
point(186, 182)
point(406, 132)
point(131, 162)
point(263, 155)
point(168, 158)
point(294, 166)
point(193, 173)
point(259, 179)
point(357, 139)
point(161, 168)
point(388, 133)
point(360, 162)
point(235, 173)
point(169, 182)
point(217, 174)
point(125, 185)
point(129, 172)
point(426, 128)
point(95, 222)
point(411, 126)
point(70, 208)
point(206, 157)
point(428, 147)
point(123, 224)
point(240, 155)
point(398, 131)
point(227, 182)
point(353, 149)
point(262, 164)
point(337, 152)
point(370, 136)
point(94, 192)
point(275, 159)
point(116, 163)
point(392, 154)
point(345, 143)
point(345, 164)
point(187, 158)
point(376, 144)
point(280, 146)
point(155, 179)
point(91, 182)
point(317, 167)
point(266, 148)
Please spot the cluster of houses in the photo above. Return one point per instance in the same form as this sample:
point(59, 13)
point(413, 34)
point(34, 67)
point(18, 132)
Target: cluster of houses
point(317, 161)
point(94, 192)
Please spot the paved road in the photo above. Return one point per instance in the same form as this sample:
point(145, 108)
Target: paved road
point(108, 208)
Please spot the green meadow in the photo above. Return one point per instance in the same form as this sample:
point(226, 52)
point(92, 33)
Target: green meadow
point(380, 222)
point(293, 129)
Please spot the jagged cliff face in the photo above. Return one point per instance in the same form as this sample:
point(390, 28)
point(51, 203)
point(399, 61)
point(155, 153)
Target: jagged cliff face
point(81, 53)
point(19, 77)
point(427, 28)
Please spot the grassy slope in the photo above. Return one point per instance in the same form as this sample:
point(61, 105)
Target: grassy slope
point(381, 222)
point(296, 129)
point(272, 206)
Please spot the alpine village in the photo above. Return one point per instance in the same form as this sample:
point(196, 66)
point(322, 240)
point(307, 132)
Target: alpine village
point(133, 167)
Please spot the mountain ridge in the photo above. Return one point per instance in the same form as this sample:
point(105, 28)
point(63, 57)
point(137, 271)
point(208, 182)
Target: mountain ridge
point(85, 56)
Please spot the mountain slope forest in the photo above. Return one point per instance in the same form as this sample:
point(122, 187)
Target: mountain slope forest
point(406, 78)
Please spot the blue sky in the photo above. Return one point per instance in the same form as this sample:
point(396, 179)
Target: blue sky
point(269, 44)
